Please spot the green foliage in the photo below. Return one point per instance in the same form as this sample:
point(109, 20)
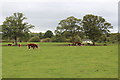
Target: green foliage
point(35, 39)
point(48, 34)
point(34, 34)
point(77, 38)
point(66, 34)
point(118, 37)
point(0, 37)
point(69, 27)
point(114, 37)
point(58, 38)
point(46, 40)
point(14, 26)
point(95, 26)
point(41, 35)
point(24, 38)
point(102, 39)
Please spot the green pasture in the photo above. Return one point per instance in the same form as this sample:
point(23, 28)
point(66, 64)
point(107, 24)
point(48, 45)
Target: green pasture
point(53, 61)
point(0, 62)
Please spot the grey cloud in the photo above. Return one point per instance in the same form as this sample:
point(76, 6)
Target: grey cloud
point(46, 14)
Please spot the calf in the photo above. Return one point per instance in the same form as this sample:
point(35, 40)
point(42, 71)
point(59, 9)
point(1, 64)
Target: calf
point(32, 46)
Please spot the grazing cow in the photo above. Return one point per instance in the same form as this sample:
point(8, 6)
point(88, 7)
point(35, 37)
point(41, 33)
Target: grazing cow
point(76, 43)
point(32, 46)
point(19, 45)
point(9, 44)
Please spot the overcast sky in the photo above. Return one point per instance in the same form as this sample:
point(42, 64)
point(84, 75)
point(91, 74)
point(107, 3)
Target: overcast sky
point(46, 14)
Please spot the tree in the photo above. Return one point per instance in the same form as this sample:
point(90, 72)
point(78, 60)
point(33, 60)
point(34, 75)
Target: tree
point(58, 38)
point(41, 35)
point(70, 26)
point(95, 26)
point(14, 26)
point(48, 34)
point(114, 37)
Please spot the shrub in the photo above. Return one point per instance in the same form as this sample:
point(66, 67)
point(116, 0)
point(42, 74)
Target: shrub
point(58, 38)
point(46, 40)
point(34, 39)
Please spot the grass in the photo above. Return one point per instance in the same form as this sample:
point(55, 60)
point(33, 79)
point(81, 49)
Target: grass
point(0, 62)
point(60, 61)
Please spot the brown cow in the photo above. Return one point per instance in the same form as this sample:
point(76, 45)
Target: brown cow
point(32, 46)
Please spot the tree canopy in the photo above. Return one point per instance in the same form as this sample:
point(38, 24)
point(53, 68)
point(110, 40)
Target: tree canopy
point(15, 27)
point(48, 34)
point(95, 26)
point(70, 29)
point(70, 26)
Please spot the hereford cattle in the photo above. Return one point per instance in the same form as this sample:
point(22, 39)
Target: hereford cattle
point(9, 44)
point(76, 43)
point(32, 46)
point(19, 45)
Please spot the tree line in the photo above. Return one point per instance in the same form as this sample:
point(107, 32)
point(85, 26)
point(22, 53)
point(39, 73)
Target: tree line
point(71, 29)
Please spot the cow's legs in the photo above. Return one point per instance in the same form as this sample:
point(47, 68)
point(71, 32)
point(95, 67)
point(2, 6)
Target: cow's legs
point(33, 47)
point(28, 47)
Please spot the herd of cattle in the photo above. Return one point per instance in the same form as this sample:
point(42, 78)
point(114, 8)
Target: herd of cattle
point(29, 45)
point(76, 44)
point(36, 46)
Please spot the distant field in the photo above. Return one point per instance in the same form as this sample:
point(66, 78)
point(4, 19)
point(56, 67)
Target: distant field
point(60, 61)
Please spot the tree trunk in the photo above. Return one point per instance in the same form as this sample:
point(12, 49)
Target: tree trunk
point(93, 43)
point(15, 40)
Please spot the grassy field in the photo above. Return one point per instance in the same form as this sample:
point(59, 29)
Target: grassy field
point(60, 61)
point(0, 62)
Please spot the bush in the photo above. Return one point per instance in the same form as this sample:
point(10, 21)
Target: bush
point(34, 39)
point(58, 38)
point(68, 40)
point(46, 40)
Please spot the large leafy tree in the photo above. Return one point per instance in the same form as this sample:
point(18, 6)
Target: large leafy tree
point(69, 27)
point(14, 27)
point(48, 34)
point(95, 26)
